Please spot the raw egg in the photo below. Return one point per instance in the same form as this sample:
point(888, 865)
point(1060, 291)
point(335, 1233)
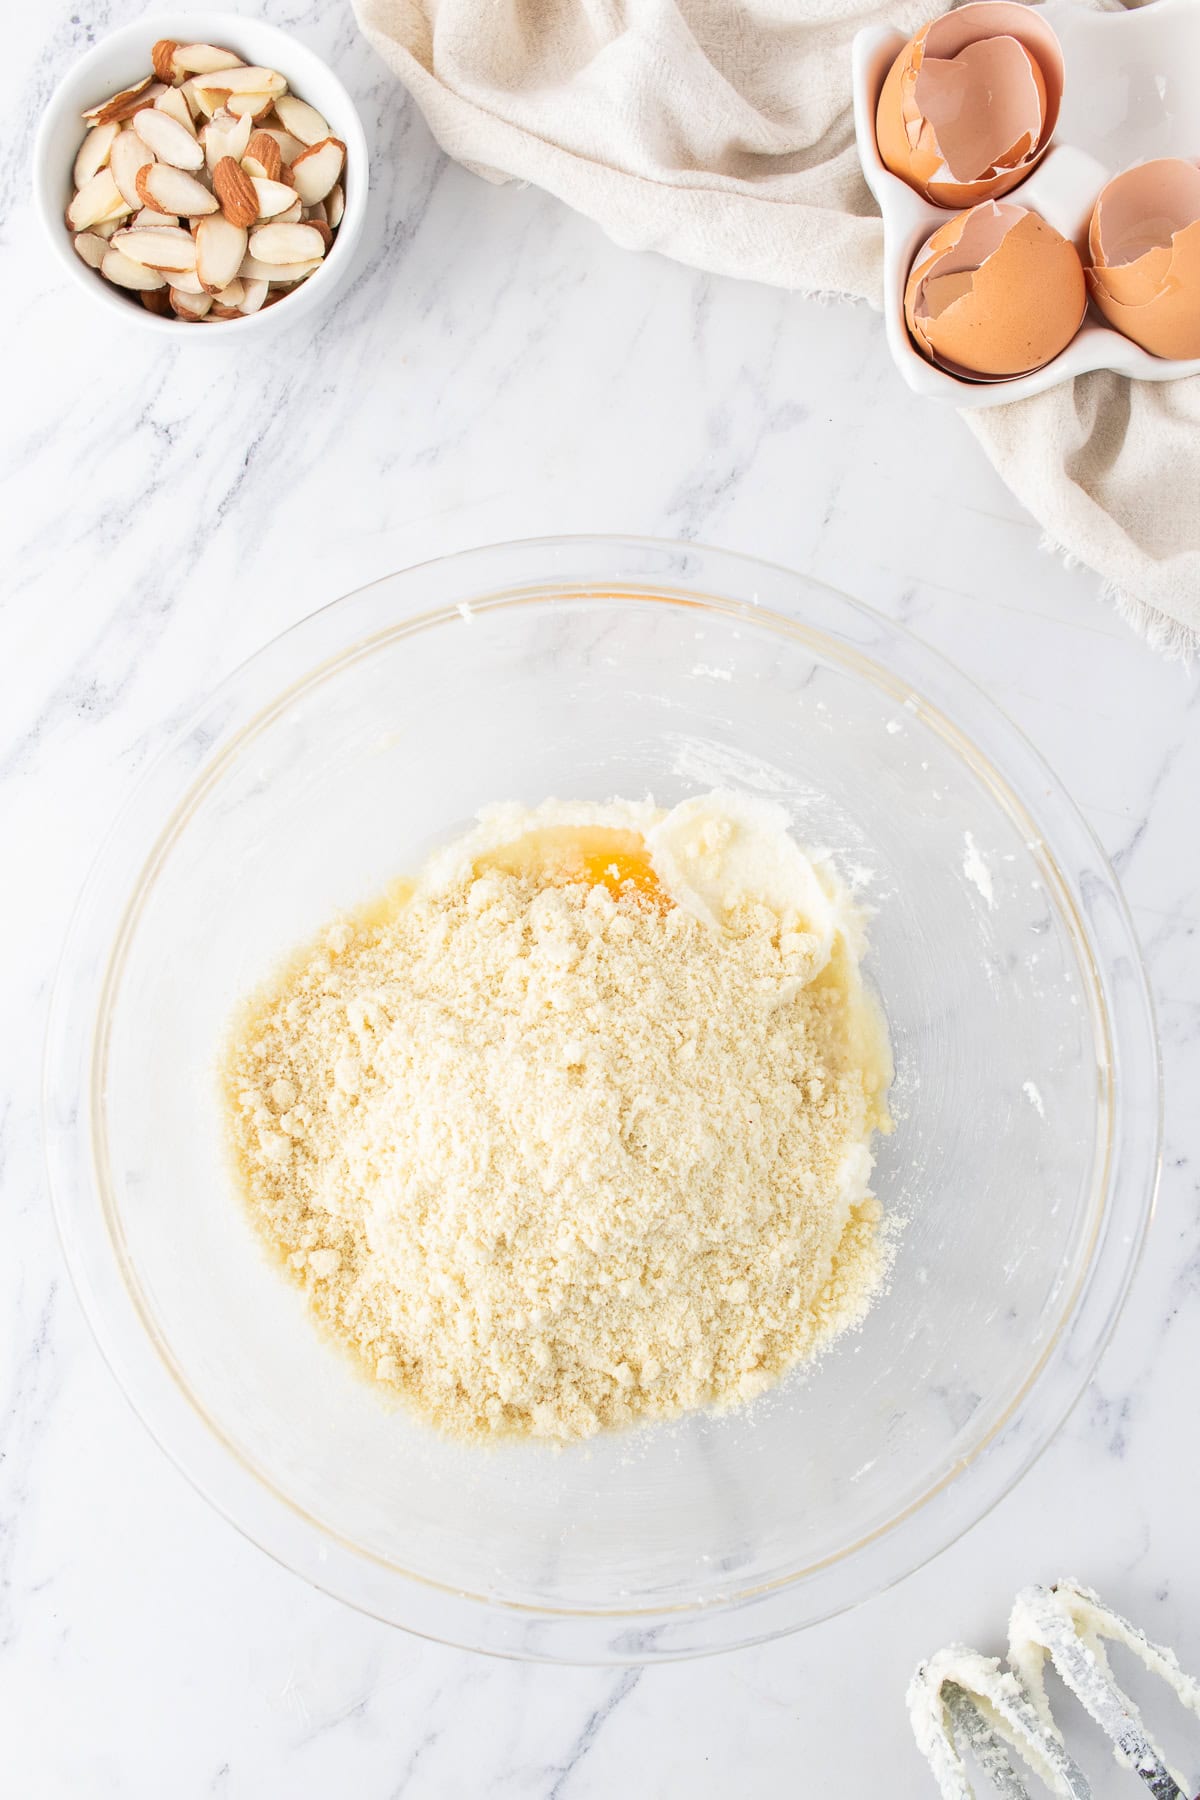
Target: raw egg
point(995, 292)
point(594, 855)
point(969, 104)
point(1144, 240)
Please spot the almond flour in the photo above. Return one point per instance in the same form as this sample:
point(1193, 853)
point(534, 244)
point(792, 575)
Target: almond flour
point(551, 1158)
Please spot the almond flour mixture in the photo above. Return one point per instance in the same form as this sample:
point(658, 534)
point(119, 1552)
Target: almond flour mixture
point(575, 1133)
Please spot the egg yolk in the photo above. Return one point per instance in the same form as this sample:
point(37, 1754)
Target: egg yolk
point(598, 855)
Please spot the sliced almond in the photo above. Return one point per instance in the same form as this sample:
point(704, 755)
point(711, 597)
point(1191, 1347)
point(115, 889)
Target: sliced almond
point(151, 214)
point(188, 197)
point(170, 141)
point(235, 190)
point(148, 97)
point(96, 199)
point(93, 152)
point(189, 306)
point(127, 156)
point(274, 197)
point(315, 171)
point(292, 274)
point(174, 104)
point(289, 146)
point(187, 281)
point(220, 248)
point(284, 273)
point(255, 107)
point(301, 119)
point(253, 295)
point(286, 243)
point(204, 59)
point(91, 247)
point(225, 135)
point(119, 106)
point(174, 191)
point(158, 246)
point(129, 274)
point(320, 226)
point(247, 78)
point(161, 54)
point(264, 149)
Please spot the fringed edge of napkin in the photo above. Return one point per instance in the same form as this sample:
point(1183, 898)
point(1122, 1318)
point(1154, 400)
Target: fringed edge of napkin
point(1173, 639)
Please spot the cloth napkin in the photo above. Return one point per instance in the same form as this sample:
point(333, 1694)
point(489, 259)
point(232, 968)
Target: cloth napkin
point(719, 132)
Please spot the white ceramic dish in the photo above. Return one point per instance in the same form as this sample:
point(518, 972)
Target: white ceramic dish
point(1129, 95)
point(122, 58)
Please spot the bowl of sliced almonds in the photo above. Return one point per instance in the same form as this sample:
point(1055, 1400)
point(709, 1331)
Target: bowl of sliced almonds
point(203, 169)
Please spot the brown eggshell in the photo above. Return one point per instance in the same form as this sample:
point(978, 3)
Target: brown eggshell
point(996, 292)
point(1144, 240)
point(989, 78)
point(1128, 284)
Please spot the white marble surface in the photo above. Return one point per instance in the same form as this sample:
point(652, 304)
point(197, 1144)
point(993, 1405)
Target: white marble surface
point(499, 370)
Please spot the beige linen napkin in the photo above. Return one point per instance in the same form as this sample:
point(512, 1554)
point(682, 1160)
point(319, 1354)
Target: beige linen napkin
point(719, 133)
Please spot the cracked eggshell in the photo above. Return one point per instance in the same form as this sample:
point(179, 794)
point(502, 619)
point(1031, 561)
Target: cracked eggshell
point(969, 105)
point(995, 292)
point(1144, 241)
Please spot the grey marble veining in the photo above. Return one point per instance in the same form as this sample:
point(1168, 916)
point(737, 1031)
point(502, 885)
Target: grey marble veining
point(497, 369)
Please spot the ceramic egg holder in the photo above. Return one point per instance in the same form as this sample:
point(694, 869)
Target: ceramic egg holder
point(1129, 94)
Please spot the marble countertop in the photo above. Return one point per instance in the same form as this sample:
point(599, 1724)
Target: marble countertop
point(497, 369)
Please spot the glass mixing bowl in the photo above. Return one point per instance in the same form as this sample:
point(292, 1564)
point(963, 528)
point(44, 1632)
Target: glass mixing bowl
point(1023, 1162)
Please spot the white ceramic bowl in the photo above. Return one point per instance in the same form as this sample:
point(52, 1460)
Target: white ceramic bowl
point(1129, 96)
point(121, 59)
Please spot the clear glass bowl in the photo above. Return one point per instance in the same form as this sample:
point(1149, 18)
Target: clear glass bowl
point(1026, 1096)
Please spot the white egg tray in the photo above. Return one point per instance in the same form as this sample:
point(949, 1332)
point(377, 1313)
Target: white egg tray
point(1131, 92)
